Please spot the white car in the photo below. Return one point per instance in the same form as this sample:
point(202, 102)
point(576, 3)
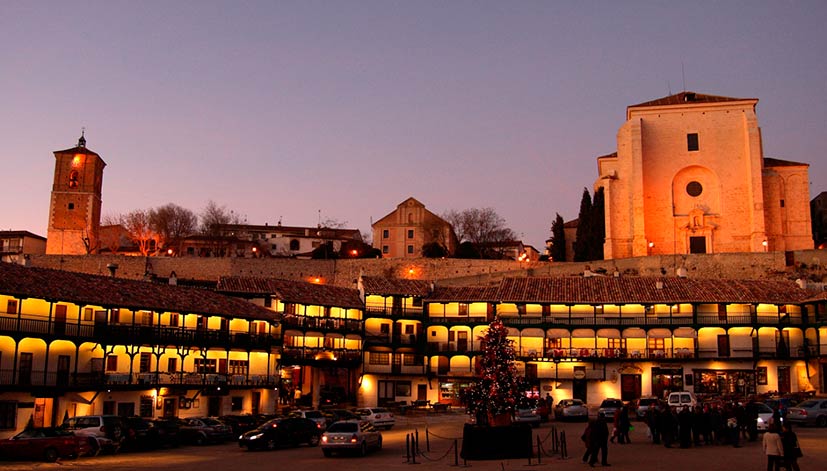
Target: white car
point(351, 435)
point(525, 414)
point(380, 417)
point(764, 416)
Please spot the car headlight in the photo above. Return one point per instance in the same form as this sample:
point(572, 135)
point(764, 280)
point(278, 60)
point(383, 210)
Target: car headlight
point(256, 436)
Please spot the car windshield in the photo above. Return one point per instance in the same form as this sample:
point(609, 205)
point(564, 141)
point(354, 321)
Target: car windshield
point(380, 410)
point(808, 404)
point(610, 403)
point(313, 414)
point(647, 402)
point(343, 427)
point(210, 422)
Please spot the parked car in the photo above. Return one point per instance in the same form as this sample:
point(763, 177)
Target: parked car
point(524, 413)
point(44, 443)
point(140, 433)
point(168, 431)
point(240, 423)
point(105, 432)
point(203, 430)
point(335, 415)
point(643, 405)
point(809, 412)
point(380, 417)
point(571, 409)
point(764, 416)
point(610, 407)
point(282, 432)
point(314, 415)
point(351, 435)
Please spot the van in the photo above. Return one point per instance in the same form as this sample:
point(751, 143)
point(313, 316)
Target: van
point(681, 399)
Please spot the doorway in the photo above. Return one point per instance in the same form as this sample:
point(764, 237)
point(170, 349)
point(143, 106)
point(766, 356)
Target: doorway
point(580, 389)
point(697, 244)
point(630, 387)
point(783, 380)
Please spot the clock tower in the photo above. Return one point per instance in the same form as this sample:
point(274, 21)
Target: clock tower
point(75, 208)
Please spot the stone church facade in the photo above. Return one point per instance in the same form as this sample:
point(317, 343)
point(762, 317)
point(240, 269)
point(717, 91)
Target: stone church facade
point(690, 176)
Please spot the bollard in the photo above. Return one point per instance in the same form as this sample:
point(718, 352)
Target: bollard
point(539, 451)
point(414, 449)
point(416, 442)
point(408, 448)
point(427, 440)
point(564, 452)
point(456, 453)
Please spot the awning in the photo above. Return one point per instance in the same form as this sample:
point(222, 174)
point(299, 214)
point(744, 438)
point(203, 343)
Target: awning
point(634, 333)
point(686, 332)
point(608, 333)
point(583, 333)
point(659, 333)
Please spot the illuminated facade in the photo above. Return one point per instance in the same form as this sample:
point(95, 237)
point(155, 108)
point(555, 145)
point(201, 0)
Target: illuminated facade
point(75, 205)
point(74, 344)
point(690, 176)
point(402, 233)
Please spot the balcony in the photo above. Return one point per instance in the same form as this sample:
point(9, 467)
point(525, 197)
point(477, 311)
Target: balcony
point(451, 347)
point(395, 340)
point(456, 320)
point(125, 380)
point(325, 324)
point(395, 313)
point(129, 334)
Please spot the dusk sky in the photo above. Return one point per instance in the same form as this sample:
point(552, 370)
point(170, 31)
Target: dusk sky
point(280, 110)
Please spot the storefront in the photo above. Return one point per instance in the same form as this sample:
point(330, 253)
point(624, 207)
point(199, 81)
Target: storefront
point(666, 380)
point(723, 382)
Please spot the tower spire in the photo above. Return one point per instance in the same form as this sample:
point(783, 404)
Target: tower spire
point(82, 140)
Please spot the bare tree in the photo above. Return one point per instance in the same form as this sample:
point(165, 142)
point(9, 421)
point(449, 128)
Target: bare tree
point(172, 223)
point(214, 216)
point(136, 225)
point(483, 227)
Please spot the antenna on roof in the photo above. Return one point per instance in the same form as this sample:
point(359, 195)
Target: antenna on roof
point(683, 76)
point(668, 88)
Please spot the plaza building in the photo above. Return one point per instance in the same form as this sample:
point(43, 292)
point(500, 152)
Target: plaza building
point(403, 232)
point(690, 176)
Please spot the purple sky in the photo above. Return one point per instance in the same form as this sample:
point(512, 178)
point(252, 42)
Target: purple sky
point(281, 109)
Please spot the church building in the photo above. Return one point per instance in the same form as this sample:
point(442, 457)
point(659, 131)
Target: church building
point(75, 207)
point(689, 176)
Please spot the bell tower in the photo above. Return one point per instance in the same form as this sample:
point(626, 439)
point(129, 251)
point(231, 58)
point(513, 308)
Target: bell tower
point(75, 207)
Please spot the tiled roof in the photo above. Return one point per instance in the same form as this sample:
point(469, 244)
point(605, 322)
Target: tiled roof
point(395, 286)
point(687, 98)
point(299, 292)
point(644, 290)
point(608, 156)
point(770, 162)
point(20, 234)
point(96, 290)
point(463, 294)
point(77, 150)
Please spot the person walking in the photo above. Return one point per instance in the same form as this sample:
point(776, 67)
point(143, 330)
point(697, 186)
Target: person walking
point(586, 437)
point(599, 441)
point(623, 425)
point(792, 450)
point(773, 448)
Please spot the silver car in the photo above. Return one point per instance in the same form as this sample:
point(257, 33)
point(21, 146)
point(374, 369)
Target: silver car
point(571, 409)
point(809, 412)
point(351, 435)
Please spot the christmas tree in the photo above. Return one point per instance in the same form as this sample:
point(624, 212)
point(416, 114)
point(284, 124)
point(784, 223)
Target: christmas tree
point(497, 388)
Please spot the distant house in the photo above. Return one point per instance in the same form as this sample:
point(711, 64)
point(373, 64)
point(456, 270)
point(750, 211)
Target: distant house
point(509, 250)
point(570, 233)
point(287, 241)
point(403, 232)
point(14, 245)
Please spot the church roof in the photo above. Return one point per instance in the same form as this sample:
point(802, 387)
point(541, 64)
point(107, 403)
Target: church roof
point(289, 291)
point(395, 286)
point(686, 97)
point(770, 162)
point(78, 150)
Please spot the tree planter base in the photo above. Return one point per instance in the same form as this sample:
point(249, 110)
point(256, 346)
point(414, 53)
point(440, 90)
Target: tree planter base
point(496, 443)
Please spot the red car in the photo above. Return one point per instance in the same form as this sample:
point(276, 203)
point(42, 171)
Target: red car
point(44, 443)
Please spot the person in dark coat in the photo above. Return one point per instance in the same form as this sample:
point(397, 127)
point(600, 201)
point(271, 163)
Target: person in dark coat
point(586, 437)
point(792, 450)
point(685, 427)
point(599, 441)
point(668, 424)
point(653, 420)
point(623, 425)
point(752, 420)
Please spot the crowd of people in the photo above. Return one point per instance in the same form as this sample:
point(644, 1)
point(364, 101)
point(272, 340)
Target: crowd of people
point(705, 425)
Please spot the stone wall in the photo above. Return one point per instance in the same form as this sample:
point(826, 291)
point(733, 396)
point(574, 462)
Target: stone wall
point(809, 264)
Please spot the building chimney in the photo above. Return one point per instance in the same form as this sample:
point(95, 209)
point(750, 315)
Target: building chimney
point(659, 284)
point(802, 283)
point(113, 267)
point(681, 272)
point(173, 279)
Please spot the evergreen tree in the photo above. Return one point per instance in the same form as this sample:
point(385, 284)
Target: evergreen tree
point(597, 231)
point(558, 240)
point(581, 242)
point(497, 387)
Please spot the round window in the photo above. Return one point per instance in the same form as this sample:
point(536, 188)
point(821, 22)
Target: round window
point(694, 188)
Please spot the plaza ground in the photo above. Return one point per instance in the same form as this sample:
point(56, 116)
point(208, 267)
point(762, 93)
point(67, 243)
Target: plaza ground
point(442, 431)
